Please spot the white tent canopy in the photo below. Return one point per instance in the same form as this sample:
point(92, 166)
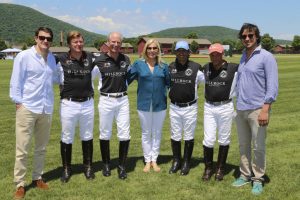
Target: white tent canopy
point(11, 50)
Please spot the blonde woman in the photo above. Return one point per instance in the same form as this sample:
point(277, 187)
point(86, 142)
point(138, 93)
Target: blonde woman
point(153, 79)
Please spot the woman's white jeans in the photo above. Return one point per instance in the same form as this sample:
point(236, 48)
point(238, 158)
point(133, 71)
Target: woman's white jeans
point(151, 124)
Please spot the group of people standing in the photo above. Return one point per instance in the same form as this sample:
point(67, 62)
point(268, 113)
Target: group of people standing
point(254, 82)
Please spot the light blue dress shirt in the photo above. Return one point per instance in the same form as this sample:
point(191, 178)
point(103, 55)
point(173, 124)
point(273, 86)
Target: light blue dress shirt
point(152, 86)
point(32, 81)
point(257, 81)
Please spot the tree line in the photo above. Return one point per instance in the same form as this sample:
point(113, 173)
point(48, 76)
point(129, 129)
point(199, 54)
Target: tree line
point(235, 46)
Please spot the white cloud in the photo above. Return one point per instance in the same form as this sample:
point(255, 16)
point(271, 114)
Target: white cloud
point(74, 20)
point(284, 36)
point(97, 24)
point(6, 1)
point(161, 16)
point(138, 11)
point(100, 19)
point(130, 23)
point(140, 1)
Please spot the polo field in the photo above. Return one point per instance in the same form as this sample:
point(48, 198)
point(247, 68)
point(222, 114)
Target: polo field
point(282, 180)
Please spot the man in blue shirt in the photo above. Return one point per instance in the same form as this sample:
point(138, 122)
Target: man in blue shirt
point(257, 89)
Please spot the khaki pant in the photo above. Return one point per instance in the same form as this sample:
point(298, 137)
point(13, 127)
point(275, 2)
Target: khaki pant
point(249, 132)
point(30, 124)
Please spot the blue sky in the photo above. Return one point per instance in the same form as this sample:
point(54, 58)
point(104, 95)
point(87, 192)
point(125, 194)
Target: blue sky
point(279, 18)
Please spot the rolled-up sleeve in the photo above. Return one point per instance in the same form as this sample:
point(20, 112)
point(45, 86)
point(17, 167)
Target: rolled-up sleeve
point(271, 71)
point(132, 73)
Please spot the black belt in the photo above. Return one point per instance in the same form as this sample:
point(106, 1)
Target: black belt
point(78, 99)
point(218, 103)
point(114, 95)
point(184, 104)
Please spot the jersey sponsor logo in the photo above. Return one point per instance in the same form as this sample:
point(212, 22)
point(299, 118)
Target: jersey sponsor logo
point(223, 74)
point(86, 62)
point(78, 72)
point(114, 74)
point(96, 54)
point(107, 64)
point(214, 84)
point(208, 73)
point(188, 72)
point(180, 81)
point(123, 64)
point(173, 71)
point(69, 62)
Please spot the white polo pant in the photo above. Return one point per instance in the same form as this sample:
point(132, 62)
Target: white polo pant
point(151, 124)
point(183, 119)
point(76, 113)
point(111, 108)
point(217, 119)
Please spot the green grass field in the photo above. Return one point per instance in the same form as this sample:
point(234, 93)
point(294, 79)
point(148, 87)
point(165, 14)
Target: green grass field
point(283, 153)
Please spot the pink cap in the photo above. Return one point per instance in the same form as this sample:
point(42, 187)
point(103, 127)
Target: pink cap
point(217, 47)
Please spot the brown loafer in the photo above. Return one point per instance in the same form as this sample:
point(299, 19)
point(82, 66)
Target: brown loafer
point(20, 193)
point(40, 184)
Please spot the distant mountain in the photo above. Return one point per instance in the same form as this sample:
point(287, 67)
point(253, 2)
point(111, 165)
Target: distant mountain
point(19, 22)
point(212, 33)
point(279, 41)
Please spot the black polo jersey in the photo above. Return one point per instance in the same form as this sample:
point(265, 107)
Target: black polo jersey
point(77, 75)
point(218, 83)
point(113, 73)
point(183, 81)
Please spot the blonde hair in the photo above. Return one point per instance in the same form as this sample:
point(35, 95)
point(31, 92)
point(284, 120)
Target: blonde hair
point(158, 57)
point(73, 34)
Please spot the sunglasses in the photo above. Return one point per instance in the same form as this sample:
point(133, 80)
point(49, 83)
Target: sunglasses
point(152, 48)
point(42, 38)
point(250, 36)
